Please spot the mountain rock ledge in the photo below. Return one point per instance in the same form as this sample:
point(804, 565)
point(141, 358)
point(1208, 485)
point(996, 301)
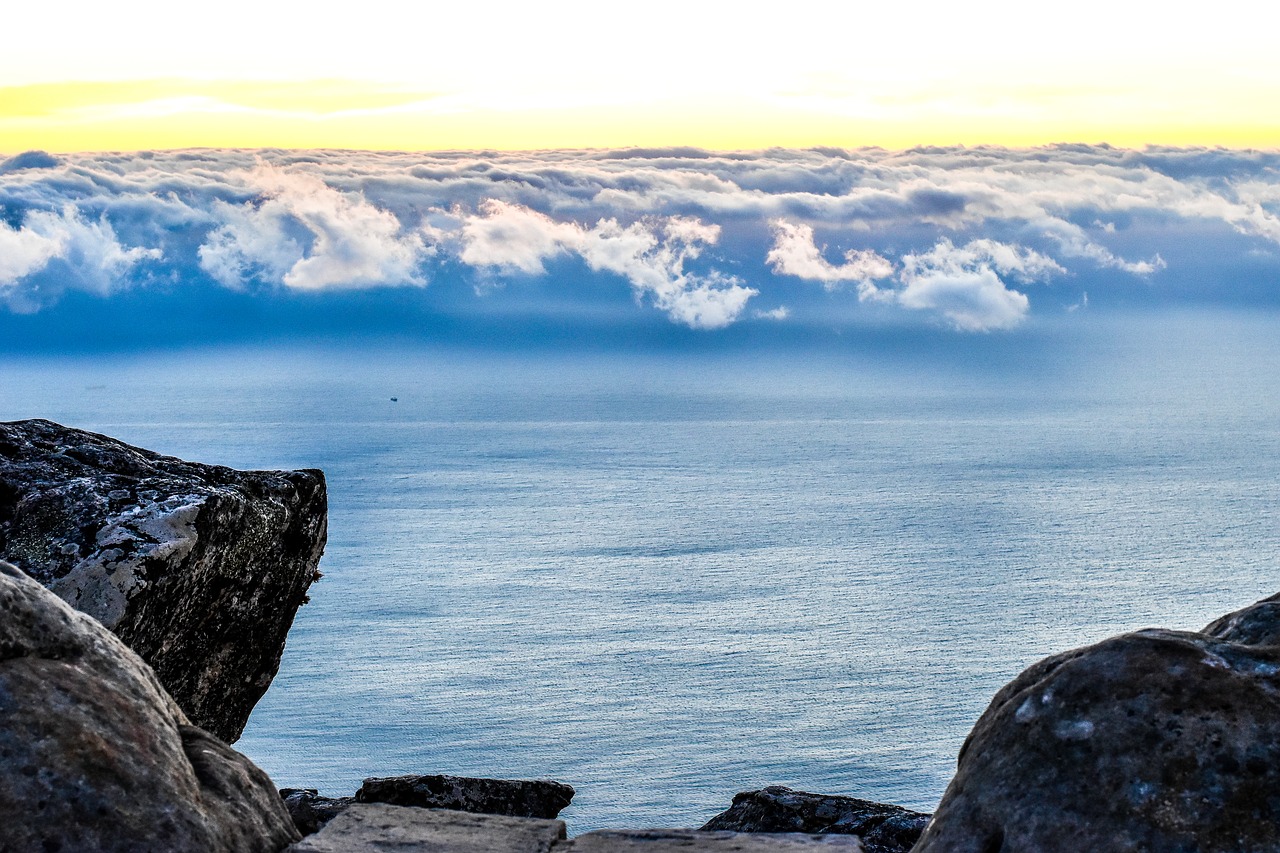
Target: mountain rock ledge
point(200, 569)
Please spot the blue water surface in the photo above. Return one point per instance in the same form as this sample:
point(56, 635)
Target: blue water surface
point(668, 577)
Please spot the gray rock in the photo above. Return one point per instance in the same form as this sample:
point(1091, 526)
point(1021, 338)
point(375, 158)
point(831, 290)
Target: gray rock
point(694, 840)
point(95, 756)
point(515, 798)
point(883, 828)
point(310, 811)
point(379, 828)
point(1151, 741)
point(1255, 625)
point(375, 828)
point(199, 568)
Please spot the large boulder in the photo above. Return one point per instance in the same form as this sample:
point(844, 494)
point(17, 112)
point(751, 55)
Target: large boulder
point(199, 568)
point(882, 828)
point(1155, 740)
point(94, 755)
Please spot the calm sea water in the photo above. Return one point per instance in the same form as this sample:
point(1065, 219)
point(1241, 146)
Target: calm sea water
point(666, 579)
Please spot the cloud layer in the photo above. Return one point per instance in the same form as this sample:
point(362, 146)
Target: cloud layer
point(303, 234)
point(970, 239)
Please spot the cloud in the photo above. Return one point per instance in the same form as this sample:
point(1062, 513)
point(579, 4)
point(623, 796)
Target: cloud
point(1074, 243)
point(56, 251)
point(306, 235)
point(795, 253)
point(29, 160)
point(963, 284)
point(651, 255)
point(514, 239)
point(957, 235)
point(780, 313)
point(26, 250)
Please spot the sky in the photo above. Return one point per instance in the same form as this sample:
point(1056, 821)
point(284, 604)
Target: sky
point(141, 74)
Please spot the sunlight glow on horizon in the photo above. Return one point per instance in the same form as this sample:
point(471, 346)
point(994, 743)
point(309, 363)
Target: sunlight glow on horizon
point(169, 114)
point(569, 74)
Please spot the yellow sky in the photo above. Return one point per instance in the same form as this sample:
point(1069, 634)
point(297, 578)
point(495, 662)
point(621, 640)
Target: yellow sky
point(563, 73)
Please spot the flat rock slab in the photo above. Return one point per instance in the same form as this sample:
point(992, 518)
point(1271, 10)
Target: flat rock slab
point(694, 840)
point(379, 828)
point(198, 568)
point(514, 798)
point(882, 828)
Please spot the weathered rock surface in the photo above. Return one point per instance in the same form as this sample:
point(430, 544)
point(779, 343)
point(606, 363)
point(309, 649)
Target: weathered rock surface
point(309, 810)
point(515, 798)
point(94, 755)
point(199, 568)
point(375, 828)
point(694, 840)
point(1255, 625)
point(882, 828)
point(1155, 740)
point(379, 828)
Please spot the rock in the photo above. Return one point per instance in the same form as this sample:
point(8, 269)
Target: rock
point(200, 569)
point(309, 810)
point(380, 828)
point(694, 840)
point(1255, 625)
point(94, 755)
point(1151, 741)
point(898, 833)
point(539, 799)
point(883, 828)
point(375, 827)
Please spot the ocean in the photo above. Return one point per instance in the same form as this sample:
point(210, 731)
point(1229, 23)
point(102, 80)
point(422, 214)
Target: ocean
point(666, 576)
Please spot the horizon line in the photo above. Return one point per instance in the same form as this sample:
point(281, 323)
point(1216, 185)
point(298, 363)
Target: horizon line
point(668, 150)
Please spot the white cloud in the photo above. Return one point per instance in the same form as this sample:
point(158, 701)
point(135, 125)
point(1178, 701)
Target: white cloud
point(26, 250)
point(972, 300)
point(90, 255)
point(323, 220)
point(513, 238)
point(1004, 258)
point(1074, 243)
point(650, 255)
point(963, 284)
point(795, 253)
point(308, 236)
point(98, 261)
point(780, 313)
